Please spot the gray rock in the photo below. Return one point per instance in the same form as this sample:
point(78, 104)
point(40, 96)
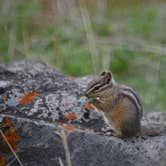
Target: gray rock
point(92, 150)
point(39, 123)
point(39, 144)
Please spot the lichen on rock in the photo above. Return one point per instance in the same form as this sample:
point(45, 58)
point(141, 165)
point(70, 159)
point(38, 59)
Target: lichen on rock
point(39, 122)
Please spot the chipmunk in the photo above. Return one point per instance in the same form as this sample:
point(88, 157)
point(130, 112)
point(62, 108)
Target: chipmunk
point(119, 103)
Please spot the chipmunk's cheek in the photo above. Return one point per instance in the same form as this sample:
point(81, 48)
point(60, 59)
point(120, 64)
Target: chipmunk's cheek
point(96, 100)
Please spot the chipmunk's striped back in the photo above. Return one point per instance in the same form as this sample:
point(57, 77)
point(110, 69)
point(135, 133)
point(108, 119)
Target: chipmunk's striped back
point(129, 92)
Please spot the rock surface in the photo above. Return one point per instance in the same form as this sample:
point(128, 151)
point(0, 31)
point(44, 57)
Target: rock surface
point(40, 122)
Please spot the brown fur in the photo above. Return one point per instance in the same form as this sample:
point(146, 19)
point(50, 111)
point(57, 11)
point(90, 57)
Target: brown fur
point(117, 116)
point(122, 115)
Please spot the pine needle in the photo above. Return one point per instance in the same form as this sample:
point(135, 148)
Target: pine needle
point(66, 148)
point(60, 162)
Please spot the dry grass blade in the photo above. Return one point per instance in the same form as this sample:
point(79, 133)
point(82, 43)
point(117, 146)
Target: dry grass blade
point(66, 148)
point(89, 34)
point(14, 153)
point(136, 45)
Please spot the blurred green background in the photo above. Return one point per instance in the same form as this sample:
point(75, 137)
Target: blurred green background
point(83, 37)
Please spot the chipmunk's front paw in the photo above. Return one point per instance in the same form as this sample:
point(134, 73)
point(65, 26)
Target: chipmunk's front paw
point(111, 132)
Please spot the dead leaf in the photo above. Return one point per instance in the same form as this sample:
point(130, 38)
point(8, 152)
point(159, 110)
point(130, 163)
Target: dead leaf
point(89, 107)
point(7, 122)
point(2, 161)
point(9, 134)
point(28, 97)
point(71, 116)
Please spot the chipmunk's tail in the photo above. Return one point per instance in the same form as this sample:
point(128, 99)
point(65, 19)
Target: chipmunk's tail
point(153, 129)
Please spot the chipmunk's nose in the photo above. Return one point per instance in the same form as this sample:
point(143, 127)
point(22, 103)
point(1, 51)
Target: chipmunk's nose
point(87, 94)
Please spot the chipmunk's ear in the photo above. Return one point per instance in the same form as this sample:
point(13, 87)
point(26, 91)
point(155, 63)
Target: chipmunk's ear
point(109, 74)
point(108, 77)
point(103, 73)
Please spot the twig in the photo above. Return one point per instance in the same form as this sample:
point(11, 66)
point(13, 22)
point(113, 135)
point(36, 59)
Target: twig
point(14, 153)
point(66, 148)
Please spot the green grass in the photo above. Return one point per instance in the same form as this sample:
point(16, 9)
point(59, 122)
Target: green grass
point(63, 44)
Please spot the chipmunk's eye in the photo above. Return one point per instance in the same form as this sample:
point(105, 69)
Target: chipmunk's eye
point(97, 87)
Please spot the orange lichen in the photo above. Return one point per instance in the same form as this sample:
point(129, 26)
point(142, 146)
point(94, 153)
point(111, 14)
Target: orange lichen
point(67, 127)
point(89, 107)
point(71, 116)
point(28, 97)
